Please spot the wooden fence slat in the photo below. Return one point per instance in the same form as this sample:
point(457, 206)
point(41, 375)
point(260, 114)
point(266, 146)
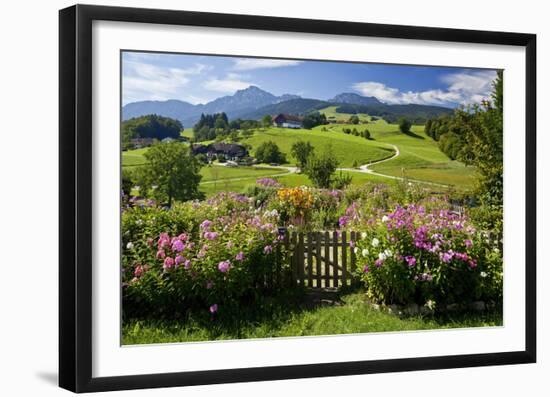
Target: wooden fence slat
point(294, 258)
point(310, 259)
point(318, 259)
point(345, 248)
point(353, 256)
point(327, 259)
point(335, 259)
point(300, 258)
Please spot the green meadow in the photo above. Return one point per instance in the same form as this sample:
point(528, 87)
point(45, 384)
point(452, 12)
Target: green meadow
point(419, 157)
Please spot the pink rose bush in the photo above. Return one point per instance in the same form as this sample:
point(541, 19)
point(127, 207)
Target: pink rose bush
point(413, 254)
point(221, 256)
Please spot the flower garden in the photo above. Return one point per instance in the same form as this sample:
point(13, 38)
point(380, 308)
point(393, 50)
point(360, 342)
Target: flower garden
point(211, 265)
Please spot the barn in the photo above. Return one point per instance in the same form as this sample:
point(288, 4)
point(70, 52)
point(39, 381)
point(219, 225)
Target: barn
point(287, 121)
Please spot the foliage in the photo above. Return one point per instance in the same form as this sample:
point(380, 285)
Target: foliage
point(314, 119)
point(269, 152)
point(354, 119)
point(210, 126)
point(422, 255)
point(208, 256)
point(266, 121)
point(302, 151)
point(171, 172)
point(150, 126)
point(404, 125)
point(320, 169)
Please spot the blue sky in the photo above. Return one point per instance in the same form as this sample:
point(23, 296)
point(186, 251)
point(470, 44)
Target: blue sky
point(202, 78)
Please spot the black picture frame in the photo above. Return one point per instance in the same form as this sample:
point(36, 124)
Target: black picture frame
point(75, 197)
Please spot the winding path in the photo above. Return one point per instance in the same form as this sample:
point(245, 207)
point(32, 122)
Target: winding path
point(362, 169)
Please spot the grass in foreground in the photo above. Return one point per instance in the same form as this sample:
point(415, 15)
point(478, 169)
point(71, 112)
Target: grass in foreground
point(280, 320)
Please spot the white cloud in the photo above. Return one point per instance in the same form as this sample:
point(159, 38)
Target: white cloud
point(144, 81)
point(253, 63)
point(228, 85)
point(463, 88)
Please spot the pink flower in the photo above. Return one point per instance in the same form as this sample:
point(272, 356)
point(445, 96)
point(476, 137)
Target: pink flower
point(352, 244)
point(179, 260)
point(183, 237)
point(229, 244)
point(268, 249)
point(378, 262)
point(468, 243)
point(366, 269)
point(240, 256)
point(224, 266)
point(187, 264)
point(213, 308)
point(168, 263)
point(205, 225)
point(138, 271)
point(161, 254)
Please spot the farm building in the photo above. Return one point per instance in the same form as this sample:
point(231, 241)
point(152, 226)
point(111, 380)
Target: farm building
point(231, 151)
point(287, 121)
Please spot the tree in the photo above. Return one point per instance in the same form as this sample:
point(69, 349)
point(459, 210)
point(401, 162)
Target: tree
point(302, 151)
point(266, 121)
point(314, 119)
point(482, 128)
point(269, 152)
point(404, 125)
point(354, 119)
point(150, 126)
point(174, 172)
point(366, 134)
point(320, 169)
point(247, 133)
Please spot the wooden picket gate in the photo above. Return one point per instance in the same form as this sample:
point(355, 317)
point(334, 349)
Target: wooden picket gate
point(321, 259)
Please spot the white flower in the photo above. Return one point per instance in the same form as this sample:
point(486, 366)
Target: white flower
point(382, 256)
point(364, 235)
point(365, 252)
point(496, 250)
point(483, 274)
point(355, 250)
point(375, 242)
point(385, 219)
point(139, 222)
point(130, 245)
point(388, 253)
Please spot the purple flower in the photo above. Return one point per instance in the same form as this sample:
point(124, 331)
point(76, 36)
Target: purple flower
point(187, 264)
point(446, 257)
point(411, 260)
point(209, 284)
point(213, 308)
point(210, 235)
point(343, 221)
point(224, 266)
point(177, 246)
point(205, 224)
point(352, 244)
point(468, 243)
point(268, 249)
point(366, 269)
point(179, 260)
point(240, 256)
point(378, 262)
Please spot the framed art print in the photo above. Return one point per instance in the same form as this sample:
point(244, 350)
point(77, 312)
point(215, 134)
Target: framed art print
point(294, 198)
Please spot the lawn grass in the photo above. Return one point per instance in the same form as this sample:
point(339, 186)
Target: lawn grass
point(281, 318)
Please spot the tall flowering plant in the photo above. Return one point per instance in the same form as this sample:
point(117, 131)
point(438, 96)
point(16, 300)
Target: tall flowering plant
point(411, 254)
point(223, 258)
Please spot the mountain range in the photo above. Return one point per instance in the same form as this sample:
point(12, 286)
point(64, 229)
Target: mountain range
point(253, 103)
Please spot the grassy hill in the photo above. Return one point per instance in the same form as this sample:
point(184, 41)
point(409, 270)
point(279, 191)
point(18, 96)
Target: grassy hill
point(331, 114)
point(419, 157)
point(347, 148)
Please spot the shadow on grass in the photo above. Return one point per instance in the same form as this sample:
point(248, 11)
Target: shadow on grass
point(413, 135)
